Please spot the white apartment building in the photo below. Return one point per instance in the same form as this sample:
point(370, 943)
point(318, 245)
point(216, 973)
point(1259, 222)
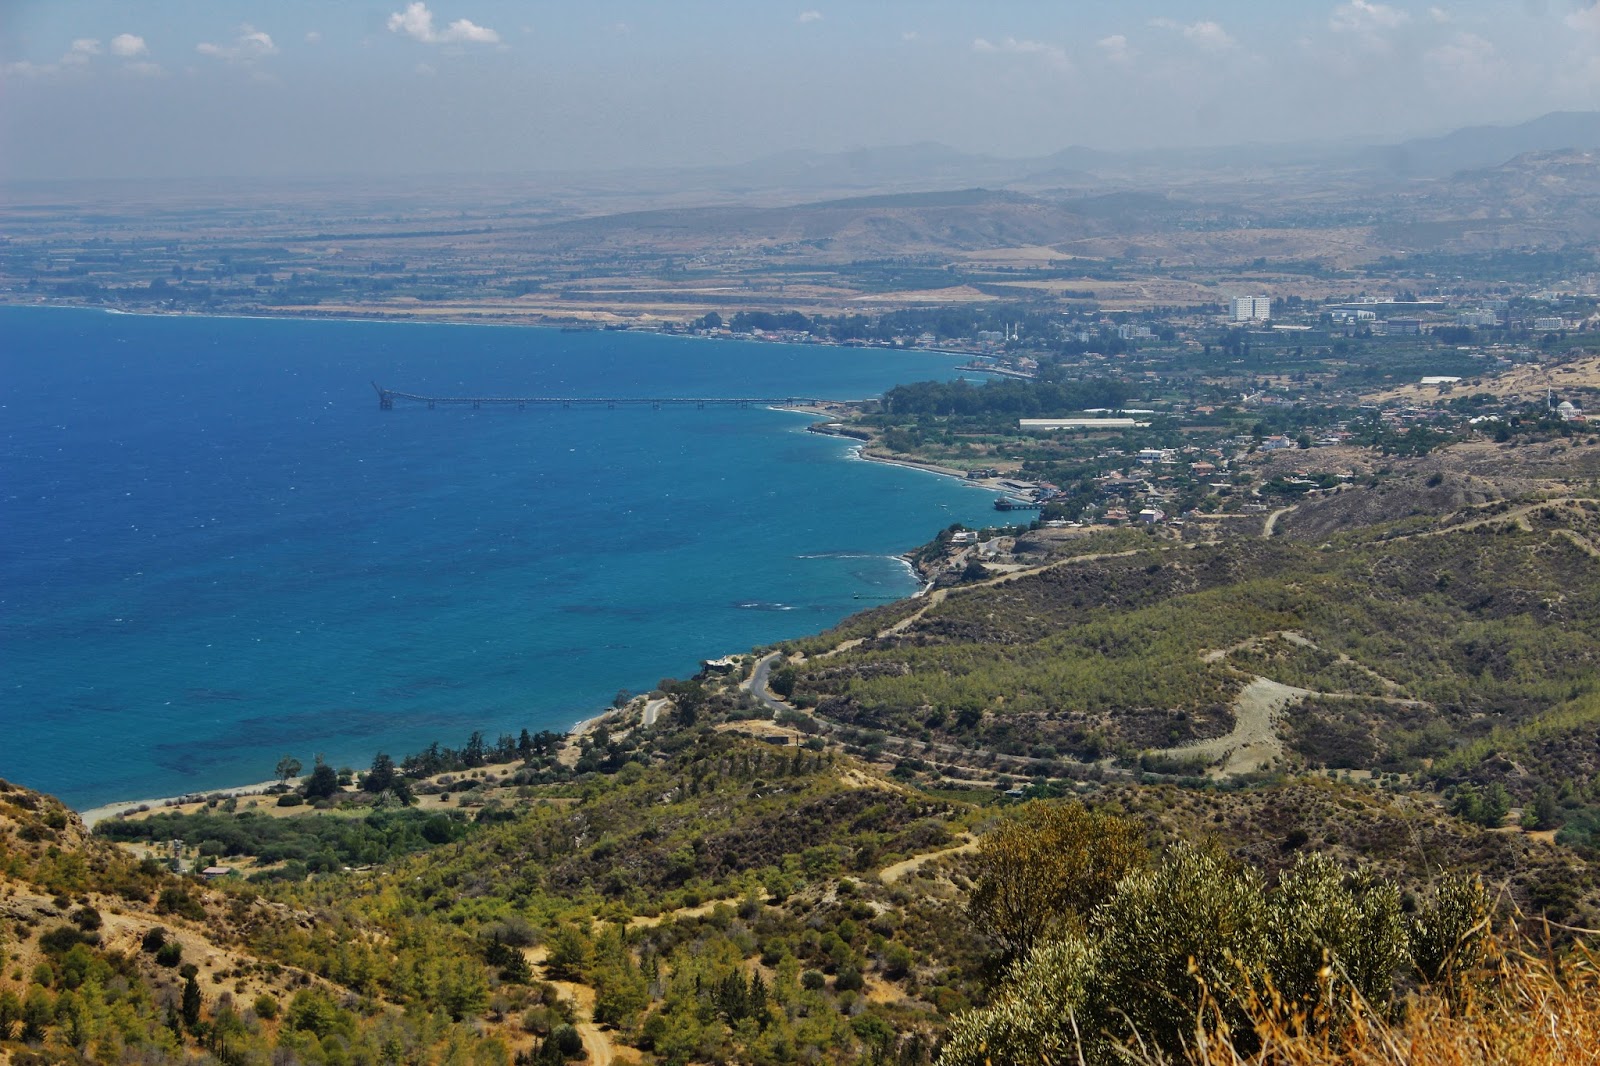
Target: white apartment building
point(1252, 309)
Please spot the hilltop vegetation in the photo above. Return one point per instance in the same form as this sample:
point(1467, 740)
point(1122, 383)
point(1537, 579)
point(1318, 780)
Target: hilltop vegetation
point(1418, 640)
point(721, 901)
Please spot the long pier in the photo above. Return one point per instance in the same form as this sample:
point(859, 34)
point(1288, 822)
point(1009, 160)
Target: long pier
point(388, 397)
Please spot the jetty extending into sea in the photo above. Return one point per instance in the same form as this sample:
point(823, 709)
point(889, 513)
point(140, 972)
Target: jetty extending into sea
point(388, 397)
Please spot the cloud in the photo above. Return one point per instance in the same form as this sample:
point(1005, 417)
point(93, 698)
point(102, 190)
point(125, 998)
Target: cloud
point(1466, 65)
point(78, 56)
point(1203, 34)
point(1361, 16)
point(250, 45)
point(313, 37)
point(1439, 15)
point(1586, 20)
point(144, 69)
point(22, 68)
point(416, 22)
point(81, 51)
point(128, 45)
point(909, 35)
point(1115, 48)
point(812, 15)
point(1050, 53)
point(1209, 35)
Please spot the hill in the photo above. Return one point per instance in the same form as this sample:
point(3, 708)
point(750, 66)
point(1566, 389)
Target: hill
point(1477, 147)
point(833, 230)
point(1391, 643)
point(704, 896)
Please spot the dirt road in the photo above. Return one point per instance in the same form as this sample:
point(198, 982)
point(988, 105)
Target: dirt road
point(892, 873)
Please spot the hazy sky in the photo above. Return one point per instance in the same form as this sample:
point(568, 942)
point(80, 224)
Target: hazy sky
point(94, 88)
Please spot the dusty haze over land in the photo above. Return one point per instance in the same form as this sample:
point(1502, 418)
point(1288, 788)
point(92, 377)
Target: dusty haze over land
point(297, 87)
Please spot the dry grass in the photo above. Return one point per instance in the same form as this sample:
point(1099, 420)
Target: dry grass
point(1533, 1007)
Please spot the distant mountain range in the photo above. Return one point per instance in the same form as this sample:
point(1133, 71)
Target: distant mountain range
point(930, 166)
point(1542, 198)
point(1477, 147)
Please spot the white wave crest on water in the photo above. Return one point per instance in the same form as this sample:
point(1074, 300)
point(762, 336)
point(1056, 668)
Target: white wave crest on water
point(841, 555)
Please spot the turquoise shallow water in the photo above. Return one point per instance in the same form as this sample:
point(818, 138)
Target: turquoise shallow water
point(217, 550)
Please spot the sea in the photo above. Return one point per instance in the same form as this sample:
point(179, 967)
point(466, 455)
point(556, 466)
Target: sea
point(216, 549)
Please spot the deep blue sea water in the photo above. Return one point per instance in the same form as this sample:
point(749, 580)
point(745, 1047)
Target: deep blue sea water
point(216, 550)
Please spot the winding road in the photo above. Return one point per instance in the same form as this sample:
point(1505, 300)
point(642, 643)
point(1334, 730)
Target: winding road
point(757, 684)
point(653, 709)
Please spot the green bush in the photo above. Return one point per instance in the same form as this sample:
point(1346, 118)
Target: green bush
point(1195, 918)
point(1199, 939)
point(1449, 932)
point(567, 1039)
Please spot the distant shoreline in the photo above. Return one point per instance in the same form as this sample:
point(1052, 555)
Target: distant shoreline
point(107, 811)
point(927, 468)
point(402, 319)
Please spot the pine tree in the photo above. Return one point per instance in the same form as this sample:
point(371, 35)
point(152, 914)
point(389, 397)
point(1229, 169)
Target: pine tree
point(756, 1000)
point(191, 1003)
point(10, 1013)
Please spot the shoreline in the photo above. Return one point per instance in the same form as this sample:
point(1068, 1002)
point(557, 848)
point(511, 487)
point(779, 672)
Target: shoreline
point(404, 319)
point(106, 811)
point(913, 464)
point(987, 484)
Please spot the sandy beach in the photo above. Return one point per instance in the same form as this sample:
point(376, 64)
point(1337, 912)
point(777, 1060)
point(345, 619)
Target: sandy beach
point(113, 810)
point(912, 464)
point(93, 815)
point(989, 484)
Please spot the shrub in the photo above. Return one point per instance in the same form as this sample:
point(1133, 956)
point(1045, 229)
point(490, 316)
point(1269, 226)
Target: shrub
point(1197, 947)
point(169, 954)
point(567, 1039)
point(1320, 923)
point(1029, 1019)
point(61, 939)
point(177, 901)
point(1050, 866)
point(1449, 933)
point(1195, 919)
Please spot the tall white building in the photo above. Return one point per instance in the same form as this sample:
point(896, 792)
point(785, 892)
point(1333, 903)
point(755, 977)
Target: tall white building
point(1252, 309)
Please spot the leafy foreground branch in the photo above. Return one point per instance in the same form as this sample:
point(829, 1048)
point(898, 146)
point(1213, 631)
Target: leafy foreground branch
point(1194, 958)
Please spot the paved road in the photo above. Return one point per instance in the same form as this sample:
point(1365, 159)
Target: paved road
point(757, 685)
point(1271, 525)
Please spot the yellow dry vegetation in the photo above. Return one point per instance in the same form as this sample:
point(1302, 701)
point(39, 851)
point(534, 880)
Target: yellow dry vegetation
point(1531, 1010)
